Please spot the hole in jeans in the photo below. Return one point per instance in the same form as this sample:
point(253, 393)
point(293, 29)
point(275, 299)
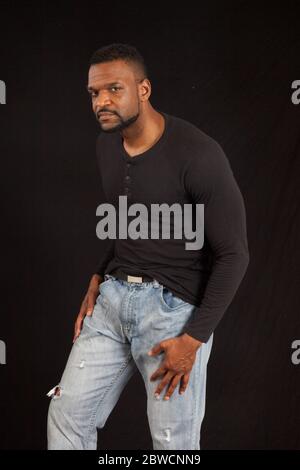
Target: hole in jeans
point(168, 434)
point(55, 392)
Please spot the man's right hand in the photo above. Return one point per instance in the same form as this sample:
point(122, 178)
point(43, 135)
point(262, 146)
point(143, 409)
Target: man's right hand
point(88, 303)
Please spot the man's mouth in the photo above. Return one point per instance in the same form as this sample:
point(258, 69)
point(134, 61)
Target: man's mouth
point(105, 115)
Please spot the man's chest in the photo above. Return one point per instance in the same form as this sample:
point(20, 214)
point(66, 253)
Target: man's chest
point(144, 182)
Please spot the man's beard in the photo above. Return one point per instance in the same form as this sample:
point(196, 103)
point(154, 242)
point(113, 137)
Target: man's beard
point(121, 125)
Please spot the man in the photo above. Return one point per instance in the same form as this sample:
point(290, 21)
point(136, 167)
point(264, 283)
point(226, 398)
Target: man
point(159, 302)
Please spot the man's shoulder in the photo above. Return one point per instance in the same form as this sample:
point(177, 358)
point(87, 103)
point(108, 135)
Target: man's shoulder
point(185, 126)
point(189, 137)
point(184, 136)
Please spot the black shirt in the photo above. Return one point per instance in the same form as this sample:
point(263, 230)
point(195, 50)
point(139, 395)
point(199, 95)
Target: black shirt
point(184, 166)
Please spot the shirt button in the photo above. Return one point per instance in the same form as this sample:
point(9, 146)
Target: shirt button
point(127, 178)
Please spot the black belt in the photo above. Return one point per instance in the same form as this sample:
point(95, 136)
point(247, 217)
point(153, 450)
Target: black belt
point(119, 274)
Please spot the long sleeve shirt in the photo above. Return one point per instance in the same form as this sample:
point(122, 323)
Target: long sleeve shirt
point(185, 166)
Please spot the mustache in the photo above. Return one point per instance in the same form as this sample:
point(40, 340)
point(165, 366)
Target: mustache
point(103, 111)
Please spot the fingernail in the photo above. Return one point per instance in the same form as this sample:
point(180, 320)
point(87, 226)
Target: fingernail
point(149, 353)
point(157, 396)
point(166, 398)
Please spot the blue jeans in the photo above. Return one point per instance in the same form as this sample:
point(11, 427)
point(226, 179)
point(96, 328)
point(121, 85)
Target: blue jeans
point(127, 321)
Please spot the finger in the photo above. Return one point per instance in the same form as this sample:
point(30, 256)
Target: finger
point(161, 371)
point(90, 305)
point(81, 313)
point(76, 334)
point(184, 382)
point(83, 308)
point(75, 337)
point(78, 326)
point(156, 349)
point(173, 385)
point(165, 381)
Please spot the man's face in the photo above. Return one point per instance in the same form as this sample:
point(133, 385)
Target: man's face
point(113, 87)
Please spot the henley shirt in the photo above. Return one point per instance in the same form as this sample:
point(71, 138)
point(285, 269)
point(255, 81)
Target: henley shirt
point(185, 166)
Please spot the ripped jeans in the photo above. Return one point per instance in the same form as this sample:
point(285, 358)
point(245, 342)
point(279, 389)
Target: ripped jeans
point(128, 319)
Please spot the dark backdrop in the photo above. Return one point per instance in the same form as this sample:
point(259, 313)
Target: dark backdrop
point(226, 67)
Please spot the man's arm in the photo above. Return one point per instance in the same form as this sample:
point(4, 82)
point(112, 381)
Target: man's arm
point(210, 180)
point(108, 247)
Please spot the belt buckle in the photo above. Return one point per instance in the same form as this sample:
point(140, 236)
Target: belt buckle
point(134, 279)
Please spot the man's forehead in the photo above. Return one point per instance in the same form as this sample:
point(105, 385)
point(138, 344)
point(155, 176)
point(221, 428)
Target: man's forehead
point(109, 72)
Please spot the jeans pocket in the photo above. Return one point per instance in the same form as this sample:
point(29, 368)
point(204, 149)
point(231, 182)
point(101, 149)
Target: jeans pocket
point(170, 301)
point(107, 280)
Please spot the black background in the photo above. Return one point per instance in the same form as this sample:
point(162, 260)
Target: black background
point(226, 67)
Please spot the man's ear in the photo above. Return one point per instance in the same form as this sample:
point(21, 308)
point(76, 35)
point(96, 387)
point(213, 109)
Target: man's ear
point(145, 89)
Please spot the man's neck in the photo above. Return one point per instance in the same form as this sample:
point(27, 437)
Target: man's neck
point(144, 135)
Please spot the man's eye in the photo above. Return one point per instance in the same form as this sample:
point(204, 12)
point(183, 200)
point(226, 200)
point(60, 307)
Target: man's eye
point(113, 88)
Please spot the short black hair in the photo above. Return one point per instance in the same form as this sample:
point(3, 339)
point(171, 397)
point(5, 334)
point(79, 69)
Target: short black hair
point(118, 51)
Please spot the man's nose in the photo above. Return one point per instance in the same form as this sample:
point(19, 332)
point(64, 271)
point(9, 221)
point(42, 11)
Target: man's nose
point(101, 101)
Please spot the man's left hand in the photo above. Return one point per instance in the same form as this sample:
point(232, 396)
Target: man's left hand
point(180, 354)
